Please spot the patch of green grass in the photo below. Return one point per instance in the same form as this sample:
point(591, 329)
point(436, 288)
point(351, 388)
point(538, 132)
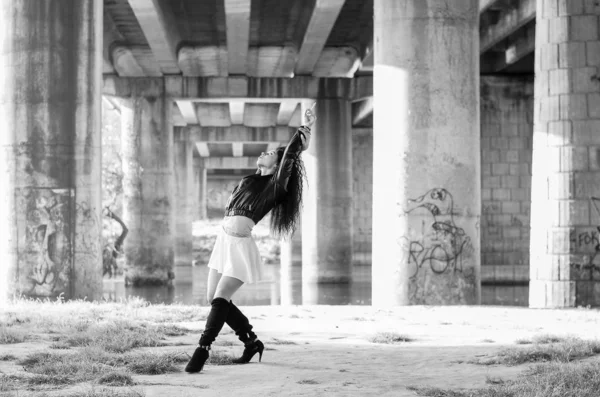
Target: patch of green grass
point(307, 382)
point(7, 357)
point(219, 358)
point(116, 379)
point(225, 343)
point(172, 330)
point(390, 338)
point(117, 337)
point(543, 380)
point(275, 341)
point(149, 363)
point(542, 340)
point(567, 350)
point(11, 335)
point(60, 346)
point(91, 364)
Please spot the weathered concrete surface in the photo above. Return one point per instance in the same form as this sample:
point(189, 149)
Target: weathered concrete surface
point(327, 212)
point(148, 190)
point(506, 132)
point(199, 193)
point(426, 167)
point(184, 189)
point(565, 209)
point(299, 87)
point(51, 57)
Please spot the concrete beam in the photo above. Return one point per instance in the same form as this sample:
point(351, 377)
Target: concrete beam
point(509, 21)
point(296, 119)
point(125, 63)
point(226, 89)
point(213, 114)
point(361, 110)
point(230, 162)
point(239, 133)
point(519, 47)
point(236, 111)
point(337, 62)
point(178, 119)
point(237, 148)
point(261, 114)
point(160, 28)
point(110, 35)
point(206, 61)
point(272, 61)
point(286, 110)
point(202, 148)
point(321, 22)
point(237, 18)
point(188, 112)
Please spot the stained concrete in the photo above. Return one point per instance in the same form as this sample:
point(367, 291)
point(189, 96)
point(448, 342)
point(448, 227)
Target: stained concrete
point(50, 110)
point(327, 203)
point(426, 162)
point(148, 190)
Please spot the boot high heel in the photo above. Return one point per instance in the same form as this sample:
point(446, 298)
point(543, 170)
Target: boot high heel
point(250, 350)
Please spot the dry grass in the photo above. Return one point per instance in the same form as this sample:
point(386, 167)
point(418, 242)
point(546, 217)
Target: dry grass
point(545, 349)
point(390, 338)
point(543, 380)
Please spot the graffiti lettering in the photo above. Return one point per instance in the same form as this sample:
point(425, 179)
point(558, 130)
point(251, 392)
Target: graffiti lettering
point(589, 266)
point(441, 246)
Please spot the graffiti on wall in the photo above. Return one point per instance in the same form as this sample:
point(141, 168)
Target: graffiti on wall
point(443, 242)
point(587, 265)
point(45, 253)
point(441, 247)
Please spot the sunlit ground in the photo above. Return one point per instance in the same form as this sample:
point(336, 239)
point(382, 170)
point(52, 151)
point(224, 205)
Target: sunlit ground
point(133, 348)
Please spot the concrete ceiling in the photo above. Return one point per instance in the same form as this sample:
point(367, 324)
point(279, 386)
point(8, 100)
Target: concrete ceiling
point(276, 38)
point(259, 38)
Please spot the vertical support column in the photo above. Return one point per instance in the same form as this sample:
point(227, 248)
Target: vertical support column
point(50, 187)
point(183, 151)
point(426, 161)
point(290, 271)
point(199, 200)
point(148, 190)
point(327, 214)
point(565, 265)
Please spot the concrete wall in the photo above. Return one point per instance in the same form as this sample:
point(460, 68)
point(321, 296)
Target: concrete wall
point(362, 195)
point(506, 139)
point(218, 191)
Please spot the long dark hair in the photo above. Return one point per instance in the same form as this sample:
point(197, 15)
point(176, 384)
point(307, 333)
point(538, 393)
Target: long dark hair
point(285, 216)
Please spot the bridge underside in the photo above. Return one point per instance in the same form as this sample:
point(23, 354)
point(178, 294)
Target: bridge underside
point(479, 165)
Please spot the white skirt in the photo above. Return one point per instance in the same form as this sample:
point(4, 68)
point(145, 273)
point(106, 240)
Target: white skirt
point(236, 257)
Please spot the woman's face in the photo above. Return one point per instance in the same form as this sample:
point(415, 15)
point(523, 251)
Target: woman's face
point(267, 159)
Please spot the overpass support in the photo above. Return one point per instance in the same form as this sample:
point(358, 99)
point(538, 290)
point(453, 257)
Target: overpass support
point(148, 189)
point(184, 191)
point(50, 155)
point(327, 214)
point(426, 161)
point(564, 260)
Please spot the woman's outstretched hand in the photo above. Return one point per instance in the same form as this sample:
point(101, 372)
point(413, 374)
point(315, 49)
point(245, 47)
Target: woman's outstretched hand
point(309, 116)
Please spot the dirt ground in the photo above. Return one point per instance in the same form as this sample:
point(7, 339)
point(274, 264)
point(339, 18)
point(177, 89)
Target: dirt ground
point(326, 350)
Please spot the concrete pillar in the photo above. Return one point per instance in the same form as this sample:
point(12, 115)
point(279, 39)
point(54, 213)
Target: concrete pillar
point(50, 157)
point(199, 198)
point(327, 214)
point(290, 271)
point(564, 261)
point(183, 152)
point(148, 190)
point(426, 159)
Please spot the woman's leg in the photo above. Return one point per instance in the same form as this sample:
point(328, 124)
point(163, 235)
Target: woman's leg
point(226, 287)
point(211, 286)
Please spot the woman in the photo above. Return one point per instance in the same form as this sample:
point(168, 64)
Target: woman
point(276, 187)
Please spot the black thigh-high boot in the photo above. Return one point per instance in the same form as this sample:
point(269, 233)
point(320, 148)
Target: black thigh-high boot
point(214, 323)
point(240, 324)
